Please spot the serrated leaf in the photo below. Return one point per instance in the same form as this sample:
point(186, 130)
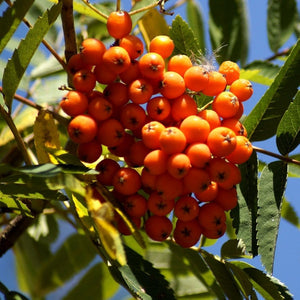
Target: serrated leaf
point(195, 20)
point(152, 24)
point(45, 136)
point(184, 39)
point(268, 286)
point(243, 280)
point(228, 29)
point(21, 58)
point(281, 17)
point(96, 283)
point(288, 131)
point(262, 72)
point(289, 213)
point(75, 253)
point(11, 19)
point(270, 191)
point(245, 214)
point(223, 276)
point(262, 121)
point(234, 249)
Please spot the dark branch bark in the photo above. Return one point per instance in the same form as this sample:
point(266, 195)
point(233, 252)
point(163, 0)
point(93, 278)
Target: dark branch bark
point(12, 232)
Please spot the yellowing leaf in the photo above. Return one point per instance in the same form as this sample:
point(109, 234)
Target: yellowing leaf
point(152, 24)
point(45, 136)
point(103, 215)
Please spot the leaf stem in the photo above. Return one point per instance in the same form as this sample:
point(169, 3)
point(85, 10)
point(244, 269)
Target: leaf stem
point(281, 157)
point(30, 103)
point(86, 2)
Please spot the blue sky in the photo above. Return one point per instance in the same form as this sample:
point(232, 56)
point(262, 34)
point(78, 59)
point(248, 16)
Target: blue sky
point(287, 259)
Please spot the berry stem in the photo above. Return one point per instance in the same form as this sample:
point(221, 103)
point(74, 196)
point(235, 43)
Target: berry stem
point(281, 157)
point(118, 5)
point(160, 3)
point(86, 2)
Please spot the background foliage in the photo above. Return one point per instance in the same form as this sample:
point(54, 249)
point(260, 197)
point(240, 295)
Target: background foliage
point(43, 189)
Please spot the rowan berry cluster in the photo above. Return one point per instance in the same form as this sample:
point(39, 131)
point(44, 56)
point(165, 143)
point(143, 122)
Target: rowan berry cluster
point(174, 158)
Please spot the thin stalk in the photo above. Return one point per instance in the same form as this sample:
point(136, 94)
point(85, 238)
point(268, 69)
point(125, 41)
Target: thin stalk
point(281, 157)
point(86, 2)
point(145, 8)
point(118, 5)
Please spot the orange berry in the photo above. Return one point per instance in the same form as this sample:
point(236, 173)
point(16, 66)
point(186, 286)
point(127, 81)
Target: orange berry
point(162, 44)
point(182, 107)
point(119, 24)
point(133, 45)
point(187, 234)
point(140, 91)
point(158, 205)
point(226, 104)
point(196, 180)
point(100, 108)
point(196, 78)
point(135, 205)
point(155, 162)
point(211, 216)
point(106, 168)
point(76, 63)
point(172, 140)
point(126, 181)
point(148, 180)
point(104, 74)
point(172, 85)
point(230, 70)
point(214, 233)
point(136, 154)
point(151, 133)
point(158, 108)
point(178, 165)
point(116, 59)
point(158, 228)
point(216, 84)
point(235, 125)
point(84, 81)
point(91, 51)
point(211, 117)
point(221, 141)
point(209, 194)
point(122, 149)
point(123, 227)
point(195, 129)
point(242, 151)
point(168, 187)
point(227, 198)
point(89, 152)
point(199, 154)
point(179, 63)
point(110, 132)
point(186, 208)
point(152, 65)
point(82, 129)
point(116, 93)
point(132, 116)
point(242, 88)
point(74, 103)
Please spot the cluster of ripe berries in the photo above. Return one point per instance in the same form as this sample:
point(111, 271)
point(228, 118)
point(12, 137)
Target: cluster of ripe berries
point(175, 161)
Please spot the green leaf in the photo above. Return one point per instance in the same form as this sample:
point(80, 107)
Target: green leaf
point(294, 170)
point(74, 255)
point(280, 22)
point(233, 249)
point(262, 72)
point(11, 19)
point(289, 214)
point(288, 131)
point(270, 191)
point(268, 286)
point(184, 39)
point(243, 280)
point(262, 121)
point(228, 29)
point(195, 20)
point(97, 283)
point(223, 276)
point(21, 58)
point(245, 214)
